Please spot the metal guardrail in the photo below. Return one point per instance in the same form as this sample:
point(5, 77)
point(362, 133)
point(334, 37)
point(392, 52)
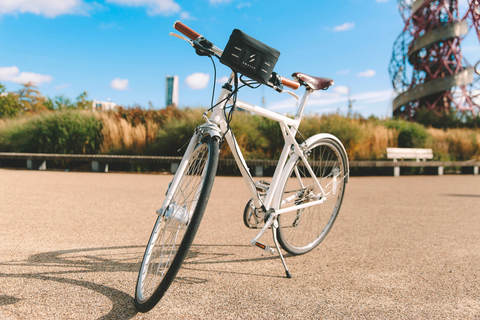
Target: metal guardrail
point(381, 163)
point(164, 159)
point(88, 157)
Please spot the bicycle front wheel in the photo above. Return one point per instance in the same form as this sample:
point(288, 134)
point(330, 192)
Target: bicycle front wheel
point(300, 231)
point(177, 225)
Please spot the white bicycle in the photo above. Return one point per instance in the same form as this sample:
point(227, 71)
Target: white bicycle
point(300, 203)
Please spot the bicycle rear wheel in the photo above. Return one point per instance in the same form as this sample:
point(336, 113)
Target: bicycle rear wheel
point(177, 225)
point(300, 231)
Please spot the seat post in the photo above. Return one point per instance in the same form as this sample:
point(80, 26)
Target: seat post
point(301, 107)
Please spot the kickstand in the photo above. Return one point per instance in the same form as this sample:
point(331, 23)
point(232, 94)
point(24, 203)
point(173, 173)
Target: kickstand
point(274, 232)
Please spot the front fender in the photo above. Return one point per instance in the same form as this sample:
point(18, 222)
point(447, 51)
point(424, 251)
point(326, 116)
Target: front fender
point(319, 136)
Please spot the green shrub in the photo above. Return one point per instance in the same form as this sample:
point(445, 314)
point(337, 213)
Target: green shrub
point(58, 132)
point(176, 133)
point(349, 131)
point(163, 132)
point(410, 134)
point(445, 120)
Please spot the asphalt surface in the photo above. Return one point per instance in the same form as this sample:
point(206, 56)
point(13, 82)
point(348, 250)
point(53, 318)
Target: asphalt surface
point(401, 248)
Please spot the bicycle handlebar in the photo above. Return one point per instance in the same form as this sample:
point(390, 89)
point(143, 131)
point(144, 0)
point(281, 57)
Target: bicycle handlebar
point(193, 35)
point(292, 84)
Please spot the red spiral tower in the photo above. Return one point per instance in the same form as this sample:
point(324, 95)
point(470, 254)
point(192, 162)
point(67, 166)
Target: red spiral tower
point(427, 67)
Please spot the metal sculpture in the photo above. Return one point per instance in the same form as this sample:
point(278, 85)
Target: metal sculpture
point(441, 81)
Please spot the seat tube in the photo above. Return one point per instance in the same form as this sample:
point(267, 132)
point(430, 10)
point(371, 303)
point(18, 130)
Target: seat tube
point(301, 108)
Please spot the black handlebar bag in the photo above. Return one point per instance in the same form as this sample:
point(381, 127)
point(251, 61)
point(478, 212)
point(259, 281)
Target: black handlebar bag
point(250, 57)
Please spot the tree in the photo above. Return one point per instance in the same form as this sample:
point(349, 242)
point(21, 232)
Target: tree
point(31, 99)
point(83, 103)
point(63, 103)
point(9, 105)
point(59, 103)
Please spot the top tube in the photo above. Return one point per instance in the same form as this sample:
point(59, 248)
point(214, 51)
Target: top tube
point(267, 113)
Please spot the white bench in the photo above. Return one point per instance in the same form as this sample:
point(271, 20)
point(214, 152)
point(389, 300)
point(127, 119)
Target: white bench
point(410, 153)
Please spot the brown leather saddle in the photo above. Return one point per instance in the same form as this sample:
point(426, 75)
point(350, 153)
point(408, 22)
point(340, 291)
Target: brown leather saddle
point(314, 83)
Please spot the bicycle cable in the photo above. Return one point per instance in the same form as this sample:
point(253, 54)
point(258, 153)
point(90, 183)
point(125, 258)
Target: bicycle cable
point(250, 83)
point(214, 81)
point(301, 135)
point(232, 95)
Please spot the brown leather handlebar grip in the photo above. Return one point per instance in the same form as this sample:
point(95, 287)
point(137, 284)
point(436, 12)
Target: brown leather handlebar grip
point(290, 83)
point(186, 30)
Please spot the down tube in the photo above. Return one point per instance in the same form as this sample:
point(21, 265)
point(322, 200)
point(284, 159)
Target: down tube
point(242, 166)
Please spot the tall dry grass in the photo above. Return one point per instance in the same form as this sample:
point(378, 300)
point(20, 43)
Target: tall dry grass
point(120, 136)
point(363, 139)
point(455, 144)
point(163, 132)
point(374, 143)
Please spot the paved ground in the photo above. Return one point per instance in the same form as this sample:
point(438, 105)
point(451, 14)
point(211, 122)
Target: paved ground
point(403, 248)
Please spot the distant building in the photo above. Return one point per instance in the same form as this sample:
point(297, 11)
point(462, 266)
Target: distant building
point(103, 105)
point(171, 86)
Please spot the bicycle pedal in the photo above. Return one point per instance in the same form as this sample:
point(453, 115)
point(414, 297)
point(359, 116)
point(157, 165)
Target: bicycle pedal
point(263, 247)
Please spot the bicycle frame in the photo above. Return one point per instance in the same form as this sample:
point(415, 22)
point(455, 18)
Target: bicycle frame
point(289, 128)
point(217, 126)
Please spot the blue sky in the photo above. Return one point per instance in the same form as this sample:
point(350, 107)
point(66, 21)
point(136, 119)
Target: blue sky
point(121, 50)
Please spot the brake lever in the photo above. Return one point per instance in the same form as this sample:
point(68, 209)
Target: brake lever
point(181, 37)
point(276, 83)
point(291, 93)
point(203, 47)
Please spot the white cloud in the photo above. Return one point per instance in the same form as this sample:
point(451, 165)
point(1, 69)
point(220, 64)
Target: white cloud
point(463, 4)
point(154, 7)
point(367, 74)
point(219, 1)
point(197, 80)
point(344, 27)
point(13, 74)
point(328, 99)
point(48, 8)
point(471, 49)
point(341, 89)
point(186, 16)
point(222, 80)
point(343, 71)
point(62, 86)
point(119, 84)
point(374, 96)
point(244, 5)
point(107, 26)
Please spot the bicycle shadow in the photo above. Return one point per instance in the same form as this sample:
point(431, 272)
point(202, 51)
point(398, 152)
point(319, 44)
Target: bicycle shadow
point(118, 259)
point(5, 300)
point(196, 257)
point(464, 195)
point(83, 261)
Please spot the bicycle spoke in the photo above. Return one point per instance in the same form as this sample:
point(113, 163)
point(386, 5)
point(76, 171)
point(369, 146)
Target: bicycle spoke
point(173, 225)
point(302, 230)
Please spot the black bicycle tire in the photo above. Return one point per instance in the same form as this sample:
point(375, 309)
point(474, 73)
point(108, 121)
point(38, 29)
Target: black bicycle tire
point(190, 233)
point(284, 243)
